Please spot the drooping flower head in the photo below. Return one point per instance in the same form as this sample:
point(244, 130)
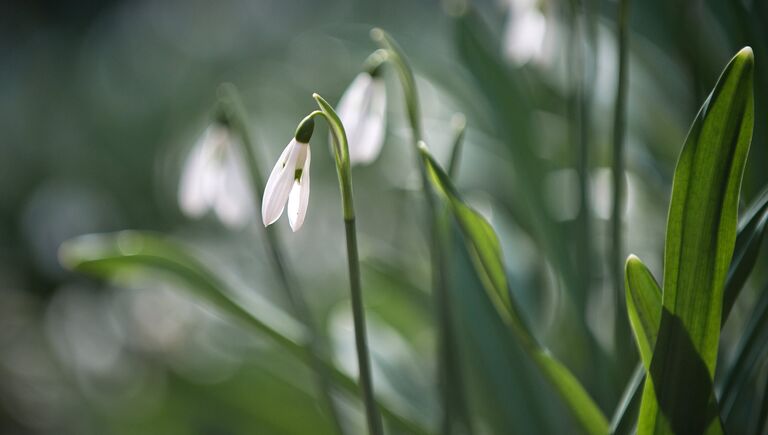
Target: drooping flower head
point(289, 180)
point(215, 178)
point(362, 109)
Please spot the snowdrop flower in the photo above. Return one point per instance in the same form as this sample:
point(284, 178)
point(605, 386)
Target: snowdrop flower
point(215, 178)
point(525, 32)
point(362, 110)
point(289, 180)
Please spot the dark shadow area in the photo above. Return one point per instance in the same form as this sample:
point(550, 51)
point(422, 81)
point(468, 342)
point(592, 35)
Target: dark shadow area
point(681, 379)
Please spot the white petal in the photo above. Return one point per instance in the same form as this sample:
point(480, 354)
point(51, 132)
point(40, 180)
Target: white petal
point(198, 179)
point(279, 184)
point(234, 200)
point(353, 99)
point(190, 197)
point(298, 200)
point(366, 145)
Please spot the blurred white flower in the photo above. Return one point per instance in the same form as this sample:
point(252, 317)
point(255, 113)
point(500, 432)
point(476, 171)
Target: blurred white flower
point(525, 32)
point(214, 177)
point(362, 110)
point(288, 182)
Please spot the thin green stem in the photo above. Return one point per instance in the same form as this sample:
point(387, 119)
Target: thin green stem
point(449, 375)
point(341, 154)
point(235, 113)
point(579, 130)
point(618, 173)
point(361, 340)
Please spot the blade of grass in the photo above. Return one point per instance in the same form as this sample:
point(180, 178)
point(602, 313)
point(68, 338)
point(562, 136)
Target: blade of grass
point(109, 256)
point(701, 234)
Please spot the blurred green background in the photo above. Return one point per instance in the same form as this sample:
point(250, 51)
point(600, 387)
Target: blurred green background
point(101, 101)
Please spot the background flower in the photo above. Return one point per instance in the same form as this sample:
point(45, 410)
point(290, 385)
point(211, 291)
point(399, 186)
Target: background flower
point(215, 178)
point(362, 109)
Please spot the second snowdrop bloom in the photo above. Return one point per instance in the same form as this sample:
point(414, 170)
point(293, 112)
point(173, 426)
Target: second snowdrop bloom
point(362, 110)
point(215, 178)
point(289, 180)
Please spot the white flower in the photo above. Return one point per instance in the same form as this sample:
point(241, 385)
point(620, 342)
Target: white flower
point(362, 110)
point(525, 32)
point(289, 181)
point(214, 177)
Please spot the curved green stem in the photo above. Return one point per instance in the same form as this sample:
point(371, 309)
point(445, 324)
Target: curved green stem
point(341, 155)
point(235, 114)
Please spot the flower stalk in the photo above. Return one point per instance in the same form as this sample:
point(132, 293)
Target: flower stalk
point(342, 159)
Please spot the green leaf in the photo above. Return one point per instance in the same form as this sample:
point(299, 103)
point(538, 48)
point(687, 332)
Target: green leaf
point(752, 228)
point(483, 244)
point(643, 306)
point(506, 390)
point(112, 256)
point(701, 234)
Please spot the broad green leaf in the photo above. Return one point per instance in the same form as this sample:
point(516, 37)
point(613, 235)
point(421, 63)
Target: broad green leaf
point(643, 306)
point(701, 234)
point(752, 228)
point(482, 242)
point(112, 256)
